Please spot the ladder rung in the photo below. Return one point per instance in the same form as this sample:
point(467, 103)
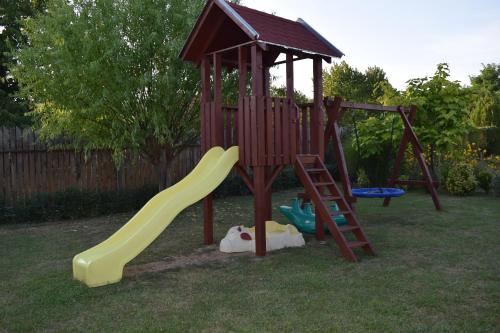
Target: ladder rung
point(322, 184)
point(307, 159)
point(330, 198)
point(315, 170)
point(348, 228)
point(355, 244)
point(338, 213)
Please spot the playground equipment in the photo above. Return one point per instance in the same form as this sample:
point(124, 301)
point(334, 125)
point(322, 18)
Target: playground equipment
point(378, 192)
point(336, 108)
point(304, 218)
point(103, 264)
point(278, 236)
point(262, 135)
point(271, 132)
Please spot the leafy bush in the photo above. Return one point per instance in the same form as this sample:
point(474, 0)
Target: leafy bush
point(461, 179)
point(404, 187)
point(363, 180)
point(484, 179)
point(495, 184)
point(75, 203)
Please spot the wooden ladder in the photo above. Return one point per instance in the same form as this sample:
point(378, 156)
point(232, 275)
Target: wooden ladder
point(321, 189)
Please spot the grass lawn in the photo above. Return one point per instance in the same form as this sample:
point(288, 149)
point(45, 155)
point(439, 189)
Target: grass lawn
point(435, 272)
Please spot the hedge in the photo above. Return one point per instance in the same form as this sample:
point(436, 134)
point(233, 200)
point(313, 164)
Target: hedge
point(76, 203)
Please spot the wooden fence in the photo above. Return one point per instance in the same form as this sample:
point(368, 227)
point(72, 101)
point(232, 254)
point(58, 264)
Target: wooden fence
point(28, 167)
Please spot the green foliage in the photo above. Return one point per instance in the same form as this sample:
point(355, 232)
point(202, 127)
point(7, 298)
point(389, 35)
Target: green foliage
point(442, 120)
point(12, 108)
point(377, 134)
point(460, 179)
point(362, 179)
point(485, 107)
point(353, 85)
point(495, 184)
point(299, 96)
point(484, 179)
point(489, 77)
point(485, 97)
point(75, 203)
point(108, 74)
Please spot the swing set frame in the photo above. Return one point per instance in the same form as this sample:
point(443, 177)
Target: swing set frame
point(335, 110)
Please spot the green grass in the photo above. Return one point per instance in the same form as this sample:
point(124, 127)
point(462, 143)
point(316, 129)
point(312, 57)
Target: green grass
point(435, 272)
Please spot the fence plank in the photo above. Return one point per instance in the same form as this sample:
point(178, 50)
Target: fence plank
point(28, 168)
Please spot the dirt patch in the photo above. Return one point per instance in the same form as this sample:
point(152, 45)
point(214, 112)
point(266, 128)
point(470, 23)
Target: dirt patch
point(206, 256)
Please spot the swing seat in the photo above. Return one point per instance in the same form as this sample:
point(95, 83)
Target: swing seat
point(378, 192)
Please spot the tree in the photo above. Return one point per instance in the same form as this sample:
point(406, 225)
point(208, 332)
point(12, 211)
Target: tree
point(107, 74)
point(442, 120)
point(485, 97)
point(353, 85)
point(346, 81)
point(299, 96)
point(12, 108)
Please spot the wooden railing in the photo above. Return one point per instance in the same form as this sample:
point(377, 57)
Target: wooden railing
point(218, 129)
point(305, 111)
point(267, 131)
point(270, 131)
point(230, 127)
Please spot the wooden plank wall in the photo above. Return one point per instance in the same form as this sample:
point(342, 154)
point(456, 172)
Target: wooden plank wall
point(269, 127)
point(27, 167)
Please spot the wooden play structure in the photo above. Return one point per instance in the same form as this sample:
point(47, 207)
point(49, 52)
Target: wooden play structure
point(275, 132)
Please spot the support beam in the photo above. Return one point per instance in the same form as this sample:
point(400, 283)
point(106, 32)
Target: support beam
point(243, 70)
point(257, 115)
point(272, 176)
point(206, 97)
point(257, 77)
point(333, 131)
point(208, 220)
point(218, 120)
point(246, 178)
point(289, 77)
point(243, 74)
point(260, 211)
point(206, 143)
point(318, 117)
point(287, 61)
point(267, 81)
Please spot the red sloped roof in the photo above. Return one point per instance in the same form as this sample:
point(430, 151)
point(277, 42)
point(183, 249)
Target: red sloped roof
point(277, 30)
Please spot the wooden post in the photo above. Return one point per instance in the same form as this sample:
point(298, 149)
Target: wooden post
point(289, 76)
point(205, 98)
point(267, 81)
point(257, 77)
point(318, 117)
point(332, 131)
point(218, 117)
point(243, 70)
point(260, 213)
point(261, 197)
point(243, 73)
point(317, 128)
point(206, 132)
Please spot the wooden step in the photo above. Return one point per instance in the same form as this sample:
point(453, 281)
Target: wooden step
point(335, 214)
point(322, 184)
point(307, 159)
point(330, 198)
point(321, 192)
point(356, 244)
point(348, 228)
point(315, 170)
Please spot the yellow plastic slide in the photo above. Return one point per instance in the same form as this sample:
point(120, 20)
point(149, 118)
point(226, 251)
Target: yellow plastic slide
point(103, 264)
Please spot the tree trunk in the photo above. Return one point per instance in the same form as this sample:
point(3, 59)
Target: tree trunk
point(164, 179)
